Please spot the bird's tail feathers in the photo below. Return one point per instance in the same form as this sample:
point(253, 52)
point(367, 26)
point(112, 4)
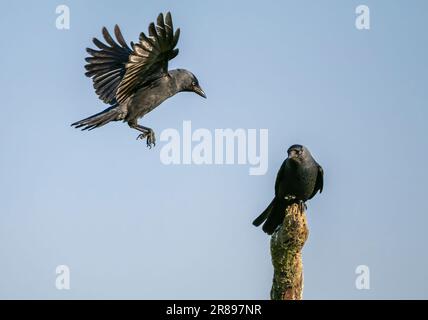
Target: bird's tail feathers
point(272, 216)
point(98, 120)
point(263, 216)
point(276, 215)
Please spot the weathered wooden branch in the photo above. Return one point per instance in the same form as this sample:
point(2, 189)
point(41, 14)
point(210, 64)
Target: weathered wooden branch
point(286, 249)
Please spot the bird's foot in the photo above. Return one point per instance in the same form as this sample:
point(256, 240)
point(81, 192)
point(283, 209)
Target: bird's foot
point(290, 197)
point(302, 205)
point(150, 136)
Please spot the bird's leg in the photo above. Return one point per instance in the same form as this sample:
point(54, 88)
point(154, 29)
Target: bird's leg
point(302, 205)
point(146, 133)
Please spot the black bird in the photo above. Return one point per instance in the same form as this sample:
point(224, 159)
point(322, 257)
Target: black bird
point(135, 81)
point(299, 179)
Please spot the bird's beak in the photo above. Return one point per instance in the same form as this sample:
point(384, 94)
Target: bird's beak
point(198, 90)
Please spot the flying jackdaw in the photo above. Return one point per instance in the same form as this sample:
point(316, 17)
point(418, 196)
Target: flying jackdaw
point(299, 179)
point(135, 81)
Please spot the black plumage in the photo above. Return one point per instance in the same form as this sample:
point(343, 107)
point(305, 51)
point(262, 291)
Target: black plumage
point(299, 179)
point(135, 79)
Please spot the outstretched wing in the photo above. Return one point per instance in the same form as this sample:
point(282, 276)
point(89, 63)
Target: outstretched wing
point(149, 58)
point(319, 184)
point(106, 66)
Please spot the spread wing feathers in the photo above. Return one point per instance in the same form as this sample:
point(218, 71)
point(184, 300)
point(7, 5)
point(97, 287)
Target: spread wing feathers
point(150, 56)
point(106, 66)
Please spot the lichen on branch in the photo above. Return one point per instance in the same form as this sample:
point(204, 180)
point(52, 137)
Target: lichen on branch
point(286, 250)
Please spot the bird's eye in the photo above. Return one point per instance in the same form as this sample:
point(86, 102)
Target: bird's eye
point(193, 83)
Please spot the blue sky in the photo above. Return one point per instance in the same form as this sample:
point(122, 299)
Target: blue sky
point(129, 226)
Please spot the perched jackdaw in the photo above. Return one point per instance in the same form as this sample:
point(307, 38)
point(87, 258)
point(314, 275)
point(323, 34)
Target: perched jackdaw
point(135, 81)
point(299, 179)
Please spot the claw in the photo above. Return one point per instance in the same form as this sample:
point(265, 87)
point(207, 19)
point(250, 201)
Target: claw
point(147, 133)
point(141, 136)
point(302, 205)
point(150, 138)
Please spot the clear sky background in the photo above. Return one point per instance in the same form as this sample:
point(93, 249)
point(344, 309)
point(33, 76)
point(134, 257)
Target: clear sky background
point(130, 227)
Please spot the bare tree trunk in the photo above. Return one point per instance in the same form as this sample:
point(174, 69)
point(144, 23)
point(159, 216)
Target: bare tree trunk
point(286, 249)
